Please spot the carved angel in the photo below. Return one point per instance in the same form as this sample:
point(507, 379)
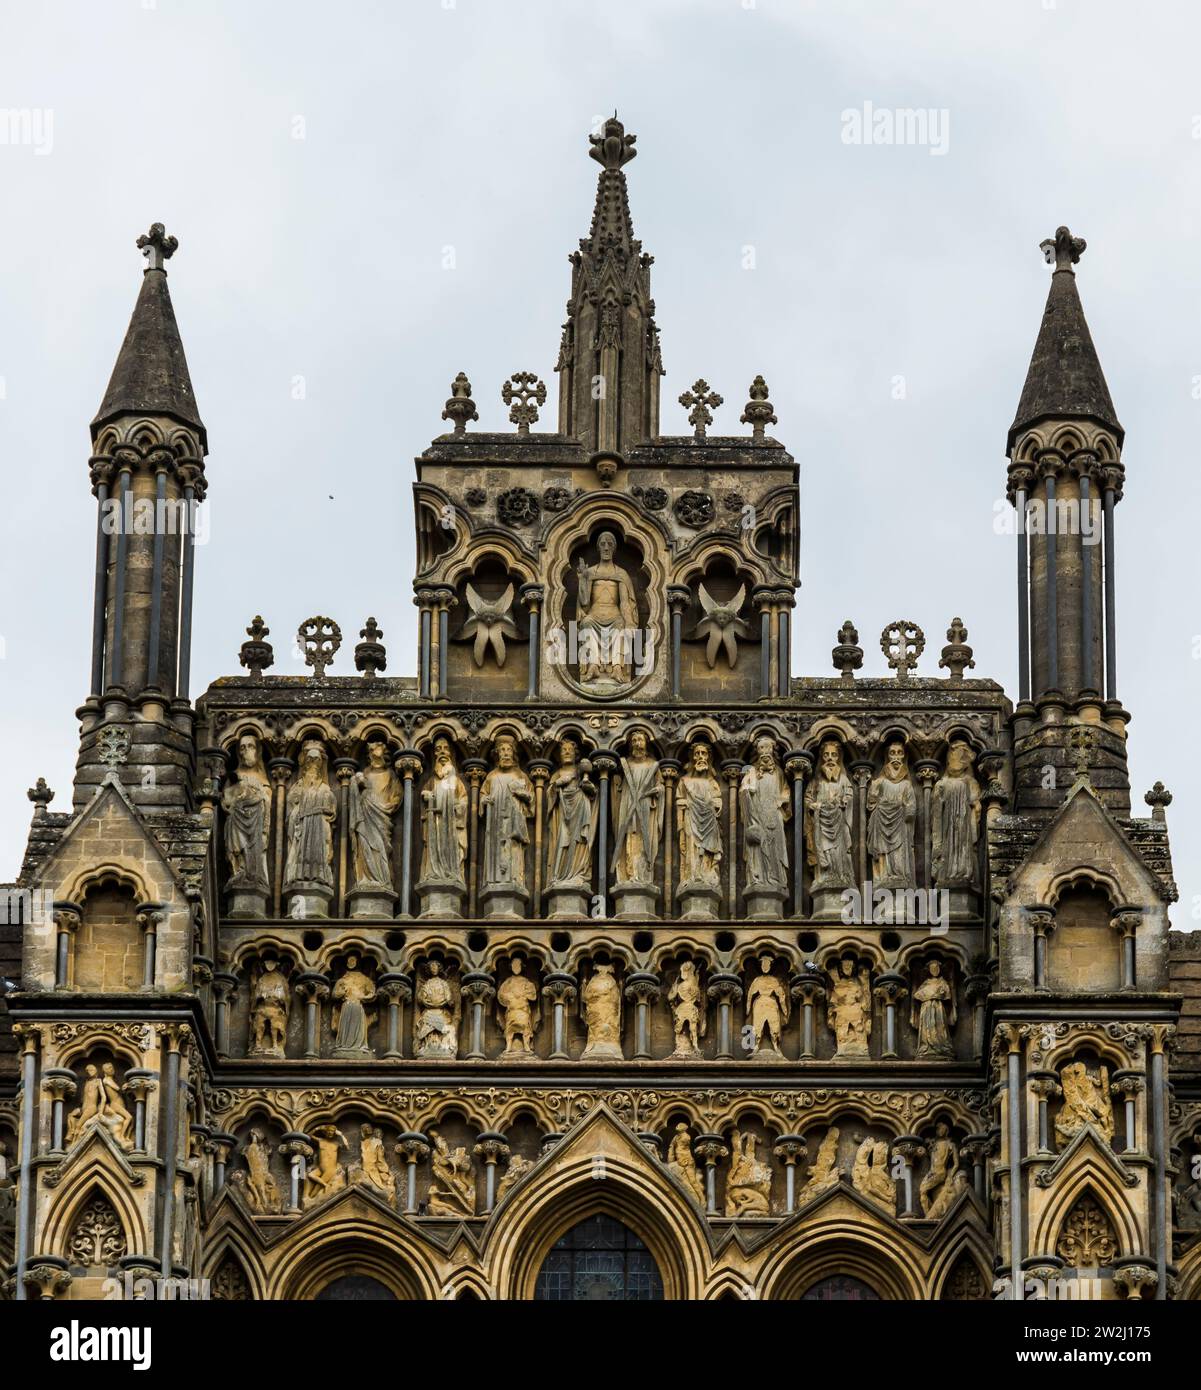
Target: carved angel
point(437, 1013)
point(489, 622)
point(721, 624)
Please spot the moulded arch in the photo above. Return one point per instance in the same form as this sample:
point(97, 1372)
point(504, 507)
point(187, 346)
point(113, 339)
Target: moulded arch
point(1088, 1177)
point(96, 1178)
point(340, 1245)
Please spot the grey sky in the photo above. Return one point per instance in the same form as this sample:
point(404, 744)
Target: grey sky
point(421, 227)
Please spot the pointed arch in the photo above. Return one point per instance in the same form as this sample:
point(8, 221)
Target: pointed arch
point(97, 1178)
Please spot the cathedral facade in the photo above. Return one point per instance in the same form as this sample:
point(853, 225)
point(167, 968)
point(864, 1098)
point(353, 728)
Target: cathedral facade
point(604, 958)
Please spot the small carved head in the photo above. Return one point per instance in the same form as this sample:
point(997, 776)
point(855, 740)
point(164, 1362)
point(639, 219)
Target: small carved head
point(830, 758)
point(248, 751)
point(506, 751)
point(606, 545)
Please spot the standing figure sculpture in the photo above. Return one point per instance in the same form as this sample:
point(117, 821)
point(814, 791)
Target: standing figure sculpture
point(869, 1173)
point(765, 805)
point(829, 809)
point(327, 1175)
point(937, 1189)
point(932, 1012)
point(607, 618)
point(373, 1162)
point(444, 806)
point(682, 1164)
point(955, 820)
point(247, 806)
point(1086, 1101)
point(600, 1005)
point(452, 1186)
point(824, 1171)
point(506, 802)
point(698, 822)
point(748, 1182)
point(849, 1009)
point(350, 1019)
point(571, 804)
point(258, 1182)
point(437, 1011)
point(311, 811)
point(270, 1005)
point(892, 809)
point(374, 800)
point(639, 815)
point(517, 1011)
point(766, 1010)
point(686, 999)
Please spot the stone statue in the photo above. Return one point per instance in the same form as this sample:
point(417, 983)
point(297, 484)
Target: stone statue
point(607, 618)
point(115, 1105)
point(444, 803)
point(849, 1009)
point(452, 1183)
point(436, 1014)
point(932, 1012)
point(639, 814)
point(600, 1004)
point(955, 820)
point(489, 621)
point(247, 806)
point(517, 1011)
point(311, 812)
point(571, 804)
point(374, 800)
point(258, 1182)
point(1086, 1101)
point(892, 808)
point(869, 1173)
point(351, 1020)
point(748, 1183)
point(325, 1175)
point(100, 1106)
point(506, 801)
point(764, 805)
point(698, 820)
point(373, 1162)
point(686, 999)
point(270, 1004)
point(766, 1009)
point(829, 809)
point(823, 1171)
point(721, 624)
point(1188, 1204)
point(938, 1189)
point(681, 1162)
point(517, 1169)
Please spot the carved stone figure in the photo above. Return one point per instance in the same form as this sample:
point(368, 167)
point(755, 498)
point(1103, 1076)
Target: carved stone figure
point(258, 1182)
point(506, 802)
point(311, 811)
point(517, 1011)
point(829, 809)
point(849, 1009)
point(955, 820)
point(452, 1184)
point(765, 805)
point(939, 1187)
point(686, 999)
point(698, 825)
point(600, 1004)
point(607, 618)
point(351, 1020)
point(681, 1162)
point(325, 1175)
point(373, 1162)
point(823, 1172)
point(748, 1182)
point(374, 800)
point(766, 1009)
point(639, 815)
point(869, 1173)
point(892, 809)
point(1086, 1101)
point(96, 1108)
point(247, 806)
point(571, 806)
point(489, 621)
point(116, 1107)
point(721, 624)
point(932, 1012)
point(444, 803)
point(270, 1004)
point(436, 1014)
point(517, 1169)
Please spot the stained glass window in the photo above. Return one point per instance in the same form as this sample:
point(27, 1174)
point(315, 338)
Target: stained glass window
point(599, 1260)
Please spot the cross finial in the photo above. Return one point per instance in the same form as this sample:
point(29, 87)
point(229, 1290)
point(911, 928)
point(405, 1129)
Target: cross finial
point(612, 147)
point(157, 247)
point(524, 388)
point(700, 403)
point(1064, 250)
point(902, 643)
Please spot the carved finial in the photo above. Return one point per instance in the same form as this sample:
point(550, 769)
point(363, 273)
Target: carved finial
point(257, 654)
point(700, 403)
point(41, 796)
point(1081, 740)
point(369, 654)
point(759, 412)
point(902, 643)
point(1158, 798)
point(157, 247)
point(848, 655)
point(957, 655)
point(524, 387)
point(1064, 250)
point(460, 408)
point(613, 147)
point(319, 639)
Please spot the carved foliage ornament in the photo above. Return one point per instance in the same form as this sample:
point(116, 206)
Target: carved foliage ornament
point(517, 507)
point(694, 509)
point(319, 639)
point(96, 1237)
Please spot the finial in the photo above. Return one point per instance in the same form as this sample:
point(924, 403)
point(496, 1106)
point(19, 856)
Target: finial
point(369, 654)
point(523, 387)
point(902, 643)
point(848, 655)
point(700, 403)
point(157, 247)
point(460, 408)
point(1158, 798)
point(319, 640)
point(759, 411)
point(613, 147)
point(41, 796)
point(257, 654)
point(1064, 251)
point(957, 655)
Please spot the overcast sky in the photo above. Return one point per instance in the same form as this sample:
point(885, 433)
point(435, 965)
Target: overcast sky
point(373, 197)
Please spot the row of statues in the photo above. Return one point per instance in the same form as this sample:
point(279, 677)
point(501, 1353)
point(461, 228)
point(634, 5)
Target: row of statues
point(507, 808)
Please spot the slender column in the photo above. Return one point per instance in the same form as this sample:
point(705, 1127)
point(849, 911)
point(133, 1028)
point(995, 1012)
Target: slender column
point(724, 990)
point(67, 918)
point(1125, 922)
point(1042, 922)
point(444, 598)
point(414, 1148)
point(1086, 581)
point(491, 1147)
point(532, 595)
point(731, 770)
point(475, 769)
point(225, 983)
point(977, 1147)
point(425, 601)
point(344, 770)
point(798, 764)
point(156, 578)
point(1052, 542)
point(809, 988)
point(171, 1039)
point(642, 990)
point(761, 598)
point(890, 989)
point(791, 1149)
point(1013, 1106)
point(539, 771)
point(396, 988)
point(280, 770)
point(861, 771)
point(223, 1148)
point(479, 987)
point(102, 473)
point(148, 916)
point(560, 989)
point(29, 1038)
point(1044, 1085)
point(670, 770)
point(603, 764)
point(138, 1084)
point(678, 599)
point(1159, 1145)
point(408, 765)
point(298, 1150)
point(1112, 478)
point(1129, 1085)
point(191, 501)
point(116, 664)
point(785, 602)
point(60, 1085)
point(312, 987)
point(927, 773)
point(710, 1149)
point(908, 1148)
point(1022, 478)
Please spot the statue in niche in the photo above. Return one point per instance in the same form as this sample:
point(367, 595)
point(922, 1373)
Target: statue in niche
point(829, 808)
point(270, 1004)
point(444, 802)
point(517, 1011)
point(517, 1169)
point(571, 804)
point(1188, 1203)
point(932, 1012)
point(489, 621)
point(748, 1183)
point(639, 814)
point(452, 1185)
point(606, 618)
point(938, 1188)
point(823, 1172)
point(869, 1173)
point(721, 624)
point(698, 820)
point(351, 1020)
point(326, 1175)
point(374, 799)
point(258, 1182)
point(765, 806)
point(372, 1166)
point(766, 1010)
point(955, 820)
point(437, 1013)
point(600, 1004)
point(101, 1107)
point(682, 1163)
point(506, 801)
point(115, 1105)
point(247, 806)
point(891, 810)
point(849, 1009)
point(1086, 1101)
point(312, 810)
point(686, 999)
